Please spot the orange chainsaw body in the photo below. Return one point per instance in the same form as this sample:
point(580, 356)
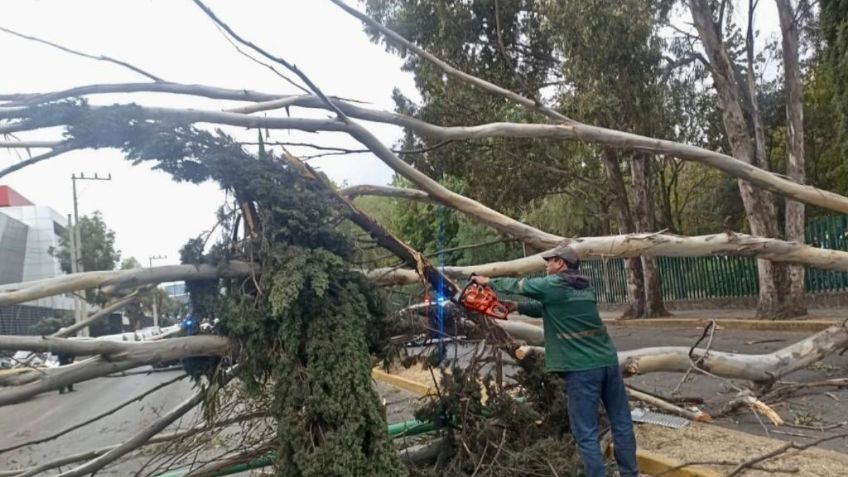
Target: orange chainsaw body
point(483, 299)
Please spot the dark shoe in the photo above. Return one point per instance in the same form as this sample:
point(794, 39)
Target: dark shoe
point(62, 391)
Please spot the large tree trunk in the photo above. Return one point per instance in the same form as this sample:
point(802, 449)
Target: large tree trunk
point(759, 204)
point(796, 300)
point(643, 219)
point(760, 368)
point(635, 245)
point(632, 266)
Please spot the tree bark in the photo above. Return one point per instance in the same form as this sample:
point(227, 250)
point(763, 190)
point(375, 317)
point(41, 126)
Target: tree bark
point(643, 219)
point(624, 219)
point(759, 205)
point(796, 301)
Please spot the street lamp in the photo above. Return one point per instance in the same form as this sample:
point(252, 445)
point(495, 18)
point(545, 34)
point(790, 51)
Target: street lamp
point(155, 311)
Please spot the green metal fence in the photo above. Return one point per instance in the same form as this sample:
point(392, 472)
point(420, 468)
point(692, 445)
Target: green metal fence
point(698, 278)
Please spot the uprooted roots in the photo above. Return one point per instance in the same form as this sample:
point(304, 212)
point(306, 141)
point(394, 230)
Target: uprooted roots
point(519, 430)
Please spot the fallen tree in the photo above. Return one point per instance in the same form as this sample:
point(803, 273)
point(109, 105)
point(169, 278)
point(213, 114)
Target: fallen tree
point(758, 368)
point(654, 244)
point(111, 357)
point(115, 280)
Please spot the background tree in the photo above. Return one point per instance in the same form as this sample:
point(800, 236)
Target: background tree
point(834, 32)
point(98, 245)
point(546, 51)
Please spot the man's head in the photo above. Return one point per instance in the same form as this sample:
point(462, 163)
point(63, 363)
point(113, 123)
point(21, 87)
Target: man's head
point(560, 259)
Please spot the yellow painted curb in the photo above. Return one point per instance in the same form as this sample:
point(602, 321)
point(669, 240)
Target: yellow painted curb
point(403, 383)
point(652, 463)
point(757, 325)
point(649, 462)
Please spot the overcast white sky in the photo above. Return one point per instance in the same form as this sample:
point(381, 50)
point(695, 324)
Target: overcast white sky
point(174, 40)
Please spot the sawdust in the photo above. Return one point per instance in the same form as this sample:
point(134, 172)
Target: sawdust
point(703, 442)
point(418, 373)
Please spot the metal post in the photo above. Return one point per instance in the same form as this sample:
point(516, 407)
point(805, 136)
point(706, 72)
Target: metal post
point(155, 308)
point(72, 244)
point(76, 245)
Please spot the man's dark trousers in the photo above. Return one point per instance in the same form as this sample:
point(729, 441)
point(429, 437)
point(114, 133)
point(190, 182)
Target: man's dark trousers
point(585, 389)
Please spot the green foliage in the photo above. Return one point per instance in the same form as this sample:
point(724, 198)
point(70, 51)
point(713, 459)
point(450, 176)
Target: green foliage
point(51, 324)
point(98, 245)
point(834, 27)
point(304, 324)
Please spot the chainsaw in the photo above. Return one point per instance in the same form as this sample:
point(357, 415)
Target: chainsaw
point(482, 299)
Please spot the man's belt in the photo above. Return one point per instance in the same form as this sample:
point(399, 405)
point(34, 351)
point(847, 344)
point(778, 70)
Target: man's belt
point(582, 334)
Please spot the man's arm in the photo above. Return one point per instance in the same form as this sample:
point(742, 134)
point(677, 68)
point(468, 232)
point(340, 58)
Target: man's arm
point(530, 308)
point(535, 288)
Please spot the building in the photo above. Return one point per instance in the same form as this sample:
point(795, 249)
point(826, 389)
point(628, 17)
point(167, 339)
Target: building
point(27, 233)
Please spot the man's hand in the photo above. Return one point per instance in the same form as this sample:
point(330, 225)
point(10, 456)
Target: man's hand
point(511, 306)
point(480, 279)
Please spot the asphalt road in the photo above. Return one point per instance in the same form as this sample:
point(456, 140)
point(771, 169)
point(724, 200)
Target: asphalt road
point(51, 412)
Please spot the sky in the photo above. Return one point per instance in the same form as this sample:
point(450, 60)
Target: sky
point(150, 214)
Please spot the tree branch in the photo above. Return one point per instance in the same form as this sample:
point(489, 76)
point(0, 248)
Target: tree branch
point(294, 69)
point(111, 281)
point(528, 103)
point(387, 191)
point(84, 55)
point(112, 357)
point(105, 311)
point(95, 418)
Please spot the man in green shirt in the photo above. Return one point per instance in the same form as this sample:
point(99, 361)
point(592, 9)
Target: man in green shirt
point(578, 346)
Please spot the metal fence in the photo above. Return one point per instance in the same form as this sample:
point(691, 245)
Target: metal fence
point(698, 278)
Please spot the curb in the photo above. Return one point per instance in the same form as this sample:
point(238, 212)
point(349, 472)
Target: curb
point(649, 462)
point(730, 324)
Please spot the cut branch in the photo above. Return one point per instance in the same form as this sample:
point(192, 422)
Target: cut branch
point(387, 191)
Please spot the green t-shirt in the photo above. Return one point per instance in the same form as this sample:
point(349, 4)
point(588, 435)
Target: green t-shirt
point(575, 337)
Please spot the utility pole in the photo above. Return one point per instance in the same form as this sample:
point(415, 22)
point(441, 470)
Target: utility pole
point(155, 309)
point(73, 244)
point(76, 246)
